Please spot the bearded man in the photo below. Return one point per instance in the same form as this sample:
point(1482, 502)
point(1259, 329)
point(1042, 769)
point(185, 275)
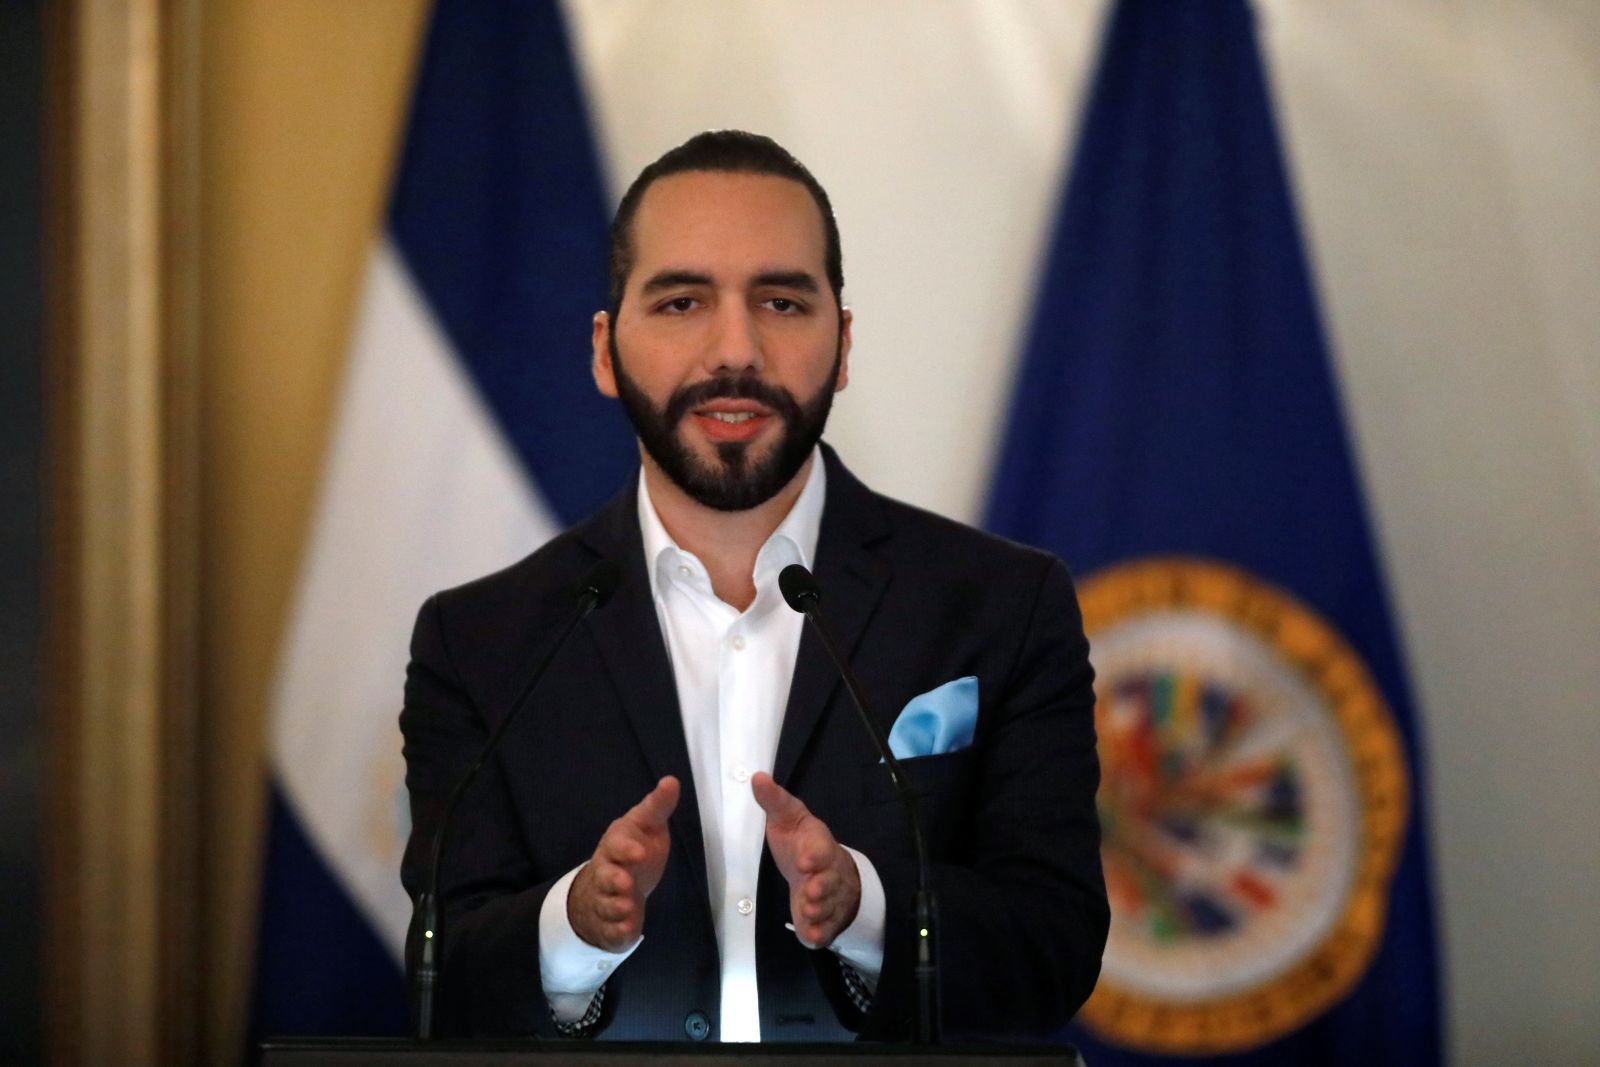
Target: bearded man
point(688, 835)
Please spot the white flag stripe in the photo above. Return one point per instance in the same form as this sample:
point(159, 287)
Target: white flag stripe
point(422, 492)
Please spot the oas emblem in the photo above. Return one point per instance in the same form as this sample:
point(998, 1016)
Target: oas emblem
point(1252, 801)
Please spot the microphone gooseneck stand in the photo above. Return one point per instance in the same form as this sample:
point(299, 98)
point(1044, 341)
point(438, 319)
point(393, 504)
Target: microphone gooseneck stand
point(801, 592)
point(595, 588)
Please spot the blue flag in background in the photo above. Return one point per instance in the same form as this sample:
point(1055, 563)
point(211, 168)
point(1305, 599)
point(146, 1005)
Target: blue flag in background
point(501, 212)
point(468, 432)
point(1176, 437)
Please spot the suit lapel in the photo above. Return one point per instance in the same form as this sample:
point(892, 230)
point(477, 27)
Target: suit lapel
point(631, 645)
point(853, 578)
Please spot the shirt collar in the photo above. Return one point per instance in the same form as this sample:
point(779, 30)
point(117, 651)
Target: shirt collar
point(794, 541)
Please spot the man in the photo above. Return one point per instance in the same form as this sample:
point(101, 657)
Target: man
point(688, 834)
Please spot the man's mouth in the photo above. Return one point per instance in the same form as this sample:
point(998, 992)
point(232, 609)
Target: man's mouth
point(731, 420)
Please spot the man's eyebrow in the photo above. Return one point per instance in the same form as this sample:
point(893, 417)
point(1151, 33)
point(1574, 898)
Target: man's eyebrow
point(798, 280)
point(672, 279)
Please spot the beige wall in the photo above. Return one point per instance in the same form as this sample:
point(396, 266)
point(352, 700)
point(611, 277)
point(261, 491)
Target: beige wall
point(302, 109)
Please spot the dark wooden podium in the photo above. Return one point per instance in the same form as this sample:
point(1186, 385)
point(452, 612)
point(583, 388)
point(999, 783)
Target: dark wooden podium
point(405, 1052)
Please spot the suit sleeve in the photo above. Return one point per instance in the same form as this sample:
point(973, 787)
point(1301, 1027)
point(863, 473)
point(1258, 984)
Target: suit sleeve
point(490, 897)
point(1024, 915)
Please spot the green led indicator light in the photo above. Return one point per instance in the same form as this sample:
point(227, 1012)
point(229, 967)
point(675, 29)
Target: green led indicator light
point(923, 932)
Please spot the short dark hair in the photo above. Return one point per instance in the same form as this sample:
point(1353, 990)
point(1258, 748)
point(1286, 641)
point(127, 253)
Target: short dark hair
point(727, 151)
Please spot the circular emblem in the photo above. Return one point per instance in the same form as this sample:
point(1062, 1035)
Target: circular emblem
point(1252, 802)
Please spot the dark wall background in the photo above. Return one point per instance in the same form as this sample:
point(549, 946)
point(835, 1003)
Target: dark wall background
point(21, 450)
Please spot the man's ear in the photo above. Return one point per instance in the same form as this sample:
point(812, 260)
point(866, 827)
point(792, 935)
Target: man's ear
point(605, 375)
point(845, 319)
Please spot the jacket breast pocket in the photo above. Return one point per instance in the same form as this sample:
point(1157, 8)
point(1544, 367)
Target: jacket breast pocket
point(930, 777)
point(945, 790)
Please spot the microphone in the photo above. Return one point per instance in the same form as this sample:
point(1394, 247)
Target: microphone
point(801, 592)
point(593, 590)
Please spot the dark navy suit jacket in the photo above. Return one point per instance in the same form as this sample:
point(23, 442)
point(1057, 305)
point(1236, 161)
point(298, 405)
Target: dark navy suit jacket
point(915, 600)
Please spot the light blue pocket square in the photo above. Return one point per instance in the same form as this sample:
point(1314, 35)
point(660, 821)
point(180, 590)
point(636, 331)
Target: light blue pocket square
point(938, 721)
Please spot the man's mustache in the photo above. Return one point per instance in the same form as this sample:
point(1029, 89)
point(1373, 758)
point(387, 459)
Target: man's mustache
point(780, 401)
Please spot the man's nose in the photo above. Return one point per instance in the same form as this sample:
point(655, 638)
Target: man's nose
point(736, 344)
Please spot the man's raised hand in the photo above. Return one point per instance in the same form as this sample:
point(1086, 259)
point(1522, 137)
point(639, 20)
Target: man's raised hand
point(606, 903)
point(824, 885)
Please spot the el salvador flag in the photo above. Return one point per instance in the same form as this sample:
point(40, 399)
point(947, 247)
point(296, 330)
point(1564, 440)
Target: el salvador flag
point(469, 432)
point(1176, 403)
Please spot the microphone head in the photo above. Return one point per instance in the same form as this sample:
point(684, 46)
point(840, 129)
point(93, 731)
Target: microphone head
point(598, 583)
point(799, 588)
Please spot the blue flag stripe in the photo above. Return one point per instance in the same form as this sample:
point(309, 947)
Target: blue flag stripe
point(501, 213)
point(320, 968)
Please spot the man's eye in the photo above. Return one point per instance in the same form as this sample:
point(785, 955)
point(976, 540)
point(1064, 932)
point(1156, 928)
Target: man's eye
point(679, 305)
point(784, 306)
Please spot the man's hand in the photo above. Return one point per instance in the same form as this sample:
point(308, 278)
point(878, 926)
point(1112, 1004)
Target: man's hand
point(824, 885)
point(606, 904)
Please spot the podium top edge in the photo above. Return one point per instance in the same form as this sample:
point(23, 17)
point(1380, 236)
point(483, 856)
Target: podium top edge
point(1000, 1050)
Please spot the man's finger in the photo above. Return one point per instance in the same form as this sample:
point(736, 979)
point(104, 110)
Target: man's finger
point(615, 882)
point(820, 886)
point(823, 917)
point(658, 805)
point(811, 857)
point(781, 806)
point(622, 847)
point(621, 934)
point(611, 909)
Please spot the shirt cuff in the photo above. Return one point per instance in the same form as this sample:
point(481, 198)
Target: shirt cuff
point(570, 968)
point(861, 943)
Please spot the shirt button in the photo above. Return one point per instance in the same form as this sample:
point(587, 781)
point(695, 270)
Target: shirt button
point(738, 642)
point(697, 1025)
point(684, 569)
point(741, 773)
point(745, 905)
point(603, 965)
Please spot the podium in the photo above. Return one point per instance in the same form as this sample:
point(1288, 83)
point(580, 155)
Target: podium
point(406, 1052)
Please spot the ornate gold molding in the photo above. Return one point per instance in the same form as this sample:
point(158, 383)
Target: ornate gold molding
point(121, 285)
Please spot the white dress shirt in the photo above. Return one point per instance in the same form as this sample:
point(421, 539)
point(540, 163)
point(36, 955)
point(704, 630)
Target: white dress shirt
point(733, 670)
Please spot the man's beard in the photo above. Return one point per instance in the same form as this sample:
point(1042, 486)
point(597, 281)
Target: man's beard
point(734, 482)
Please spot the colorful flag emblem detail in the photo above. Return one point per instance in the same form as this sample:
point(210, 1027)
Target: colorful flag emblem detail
point(1253, 803)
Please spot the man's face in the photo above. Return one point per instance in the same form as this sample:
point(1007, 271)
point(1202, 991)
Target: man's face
point(729, 345)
